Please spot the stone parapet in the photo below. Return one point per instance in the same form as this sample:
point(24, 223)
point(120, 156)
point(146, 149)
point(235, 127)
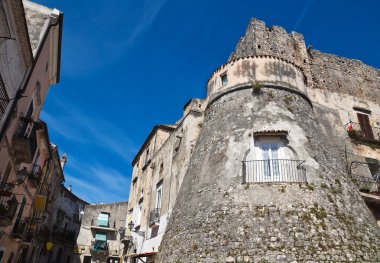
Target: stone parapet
point(255, 71)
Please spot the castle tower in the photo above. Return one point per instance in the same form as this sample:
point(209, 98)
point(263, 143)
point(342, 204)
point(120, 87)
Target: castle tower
point(261, 185)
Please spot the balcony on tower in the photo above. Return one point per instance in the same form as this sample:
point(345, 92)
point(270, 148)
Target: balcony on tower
point(24, 142)
point(273, 170)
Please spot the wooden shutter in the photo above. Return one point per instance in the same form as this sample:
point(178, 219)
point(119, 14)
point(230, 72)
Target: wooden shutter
point(365, 127)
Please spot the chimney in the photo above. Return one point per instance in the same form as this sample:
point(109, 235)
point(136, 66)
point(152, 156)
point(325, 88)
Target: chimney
point(70, 188)
point(63, 161)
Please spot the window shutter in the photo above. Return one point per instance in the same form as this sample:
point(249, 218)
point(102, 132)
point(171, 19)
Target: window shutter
point(103, 219)
point(365, 126)
point(101, 236)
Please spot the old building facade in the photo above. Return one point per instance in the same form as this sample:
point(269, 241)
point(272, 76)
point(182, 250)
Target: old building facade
point(57, 214)
point(31, 47)
point(280, 162)
point(158, 172)
point(101, 233)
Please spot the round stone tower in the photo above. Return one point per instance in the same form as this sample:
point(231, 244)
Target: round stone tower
point(261, 185)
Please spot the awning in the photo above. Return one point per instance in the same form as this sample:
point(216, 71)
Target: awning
point(100, 245)
point(101, 237)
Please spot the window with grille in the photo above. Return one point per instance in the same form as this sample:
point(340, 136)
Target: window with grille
point(271, 161)
point(4, 99)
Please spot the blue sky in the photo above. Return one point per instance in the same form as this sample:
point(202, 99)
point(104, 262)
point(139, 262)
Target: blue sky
point(129, 65)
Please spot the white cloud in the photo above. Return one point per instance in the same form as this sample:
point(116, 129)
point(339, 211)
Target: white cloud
point(303, 13)
point(76, 126)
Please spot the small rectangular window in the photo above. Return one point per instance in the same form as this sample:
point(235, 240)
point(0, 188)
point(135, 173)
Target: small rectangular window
point(139, 212)
point(224, 79)
point(159, 195)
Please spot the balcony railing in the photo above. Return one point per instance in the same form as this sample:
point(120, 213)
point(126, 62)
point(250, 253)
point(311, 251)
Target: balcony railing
point(105, 225)
point(8, 207)
point(366, 175)
point(154, 216)
point(274, 170)
point(64, 234)
point(21, 228)
point(127, 239)
point(35, 175)
point(6, 189)
point(24, 142)
point(363, 132)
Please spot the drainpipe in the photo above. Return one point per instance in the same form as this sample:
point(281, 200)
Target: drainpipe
point(30, 71)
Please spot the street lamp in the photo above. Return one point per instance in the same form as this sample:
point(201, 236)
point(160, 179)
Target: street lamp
point(131, 228)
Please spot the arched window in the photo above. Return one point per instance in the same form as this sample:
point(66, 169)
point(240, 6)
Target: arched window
point(271, 159)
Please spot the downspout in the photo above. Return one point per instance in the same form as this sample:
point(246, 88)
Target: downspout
point(31, 69)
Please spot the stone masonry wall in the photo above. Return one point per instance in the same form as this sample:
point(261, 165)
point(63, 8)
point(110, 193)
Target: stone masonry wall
point(342, 75)
point(219, 219)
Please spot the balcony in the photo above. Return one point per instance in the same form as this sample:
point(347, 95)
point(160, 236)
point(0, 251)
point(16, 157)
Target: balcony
point(99, 246)
point(24, 142)
point(6, 189)
point(154, 217)
point(366, 175)
point(8, 207)
point(127, 240)
point(42, 233)
point(273, 171)
point(102, 225)
point(63, 234)
point(35, 175)
point(363, 132)
point(21, 228)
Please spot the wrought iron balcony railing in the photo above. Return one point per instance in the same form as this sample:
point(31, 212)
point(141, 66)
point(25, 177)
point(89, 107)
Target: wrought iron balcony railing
point(64, 234)
point(154, 216)
point(21, 228)
point(24, 142)
point(8, 207)
point(364, 132)
point(35, 175)
point(273, 170)
point(6, 189)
